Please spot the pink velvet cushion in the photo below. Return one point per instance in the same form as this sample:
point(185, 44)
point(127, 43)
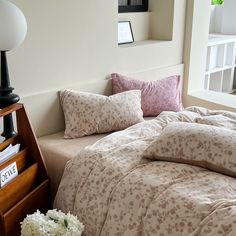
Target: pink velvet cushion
point(157, 96)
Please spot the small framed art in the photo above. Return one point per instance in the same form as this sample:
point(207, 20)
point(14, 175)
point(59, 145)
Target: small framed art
point(125, 34)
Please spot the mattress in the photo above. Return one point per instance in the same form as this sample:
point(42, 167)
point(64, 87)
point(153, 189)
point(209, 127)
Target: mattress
point(57, 151)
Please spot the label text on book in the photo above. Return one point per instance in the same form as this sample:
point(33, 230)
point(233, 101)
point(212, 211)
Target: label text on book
point(8, 173)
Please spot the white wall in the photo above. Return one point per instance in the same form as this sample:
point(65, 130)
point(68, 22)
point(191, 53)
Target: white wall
point(74, 44)
point(229, 17)
point(212, 19)
point(197, 26)
point(69, 42)
point(223, 18)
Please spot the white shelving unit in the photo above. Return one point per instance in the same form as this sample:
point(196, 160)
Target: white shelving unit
point(220, 73)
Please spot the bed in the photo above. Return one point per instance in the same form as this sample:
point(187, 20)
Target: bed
point(116, 187)
point(50, 128)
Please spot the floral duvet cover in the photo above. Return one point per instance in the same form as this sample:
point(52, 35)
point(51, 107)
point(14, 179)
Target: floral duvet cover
point(116, 192)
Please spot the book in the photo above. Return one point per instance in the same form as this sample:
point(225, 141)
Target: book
point(8, 152)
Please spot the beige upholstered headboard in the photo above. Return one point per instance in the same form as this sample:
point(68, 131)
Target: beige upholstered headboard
point(44, 109)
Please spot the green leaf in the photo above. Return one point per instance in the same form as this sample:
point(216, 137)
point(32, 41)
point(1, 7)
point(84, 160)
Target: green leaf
point(217, 2)
point(66, 223)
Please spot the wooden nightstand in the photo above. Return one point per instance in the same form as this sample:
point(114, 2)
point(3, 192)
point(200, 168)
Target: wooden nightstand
point(30, 190)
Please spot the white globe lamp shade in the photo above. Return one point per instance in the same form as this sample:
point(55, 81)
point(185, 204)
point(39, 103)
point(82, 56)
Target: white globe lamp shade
point(13, 26)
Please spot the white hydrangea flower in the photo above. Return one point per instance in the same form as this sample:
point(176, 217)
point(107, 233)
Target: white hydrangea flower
point(54, 223)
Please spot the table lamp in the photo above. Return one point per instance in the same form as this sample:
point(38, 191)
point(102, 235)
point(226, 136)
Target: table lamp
point(13, 28)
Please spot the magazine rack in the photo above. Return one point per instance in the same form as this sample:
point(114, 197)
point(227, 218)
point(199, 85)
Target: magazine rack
point(30, 190)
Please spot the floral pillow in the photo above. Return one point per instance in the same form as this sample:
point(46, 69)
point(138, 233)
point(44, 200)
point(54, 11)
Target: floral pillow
point(196, 144)
point(157, 96)
point(88, 113)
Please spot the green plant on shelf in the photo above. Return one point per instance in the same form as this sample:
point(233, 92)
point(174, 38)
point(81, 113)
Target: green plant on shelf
point(217, 2)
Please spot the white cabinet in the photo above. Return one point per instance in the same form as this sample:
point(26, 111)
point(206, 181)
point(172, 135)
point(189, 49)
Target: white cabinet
point(220, 73)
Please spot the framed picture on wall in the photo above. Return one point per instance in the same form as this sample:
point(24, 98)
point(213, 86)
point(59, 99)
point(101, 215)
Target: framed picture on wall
point(125, 34)
point(132, 5)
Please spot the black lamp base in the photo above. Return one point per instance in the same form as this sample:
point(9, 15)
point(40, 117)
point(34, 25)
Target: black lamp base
point(7, 98)
point(8, 128)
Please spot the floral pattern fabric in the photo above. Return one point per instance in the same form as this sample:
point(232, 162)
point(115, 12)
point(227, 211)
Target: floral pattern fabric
point(89, 113)
point(197, 144)
point(116, 192)
point(157, 96)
